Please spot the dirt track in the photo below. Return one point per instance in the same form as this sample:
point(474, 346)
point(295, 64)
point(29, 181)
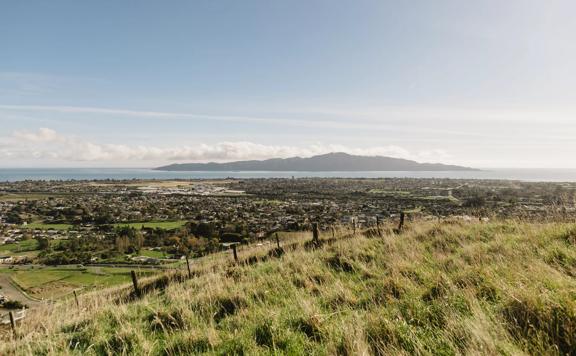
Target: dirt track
point(13, 293)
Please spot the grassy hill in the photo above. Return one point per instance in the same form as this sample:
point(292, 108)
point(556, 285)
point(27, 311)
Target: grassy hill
point(438, 288)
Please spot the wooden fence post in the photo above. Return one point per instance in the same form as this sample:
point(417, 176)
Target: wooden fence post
point(12, 322)
point(188, 266)
point(234, 252)
point(333, 232)
point(135, 282)
point(354, 225)
point(277, 241)
point(76, 299)
point(315, 233)
point(401, 224)
point(378, 226)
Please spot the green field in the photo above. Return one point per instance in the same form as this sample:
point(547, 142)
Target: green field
point(22, 246)
point(389, 192)
point(34, 278)
point(48, 282)
point(154, 254)
point(24, 196)
point(439, 197)
point(42, 226)
point(167, 225)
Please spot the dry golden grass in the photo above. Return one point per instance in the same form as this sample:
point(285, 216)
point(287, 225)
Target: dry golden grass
point(438, 288)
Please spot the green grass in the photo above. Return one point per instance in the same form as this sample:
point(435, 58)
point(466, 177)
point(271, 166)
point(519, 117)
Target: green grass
point(50, 282)
point(22, 246)
point(440, 198)
point(25, 196)
point(34, 278)
point(103, 278)
point(167, 225)
point(436, 289)
point(42, 226)
point(390, 192)
point(154, 254)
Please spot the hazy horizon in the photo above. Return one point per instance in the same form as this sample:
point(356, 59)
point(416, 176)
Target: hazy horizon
point(487, 84)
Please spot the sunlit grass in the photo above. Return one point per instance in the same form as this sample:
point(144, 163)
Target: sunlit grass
point(54, 282)
point(167, 225)
point(42, 226)
point(436, 288)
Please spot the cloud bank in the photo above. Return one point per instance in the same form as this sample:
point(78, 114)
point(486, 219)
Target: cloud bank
point(49, 144)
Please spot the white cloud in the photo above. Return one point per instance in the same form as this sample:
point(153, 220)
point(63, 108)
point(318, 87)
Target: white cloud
point(43, 135)
point(430, 119)
point(48, 144)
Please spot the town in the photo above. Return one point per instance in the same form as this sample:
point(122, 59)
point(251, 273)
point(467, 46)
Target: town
point(70, 222)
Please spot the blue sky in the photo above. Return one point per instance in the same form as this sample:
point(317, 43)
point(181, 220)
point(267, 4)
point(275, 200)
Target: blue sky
point(140, 83)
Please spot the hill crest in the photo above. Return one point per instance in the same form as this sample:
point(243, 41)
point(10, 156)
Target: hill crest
point(330, 162)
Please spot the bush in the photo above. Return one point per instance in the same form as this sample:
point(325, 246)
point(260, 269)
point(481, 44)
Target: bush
point(14, 304)
point(231, 237)
point(477, 201)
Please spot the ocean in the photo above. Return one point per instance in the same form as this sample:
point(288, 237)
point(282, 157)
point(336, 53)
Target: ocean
point(19, 174)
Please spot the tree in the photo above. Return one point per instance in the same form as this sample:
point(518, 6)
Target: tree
point(476, 201)
point(43, 243)
point(104, 219)
point(231, 237)
point(205, 230)
point(173, 241)
point(138, 241)
point(14, 218)
point(122, 244)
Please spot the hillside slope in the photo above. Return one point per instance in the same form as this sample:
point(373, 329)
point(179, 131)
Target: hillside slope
point(437, 288)
point(331, 162)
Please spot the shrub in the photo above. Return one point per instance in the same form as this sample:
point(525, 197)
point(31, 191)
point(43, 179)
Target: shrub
point(14, 304)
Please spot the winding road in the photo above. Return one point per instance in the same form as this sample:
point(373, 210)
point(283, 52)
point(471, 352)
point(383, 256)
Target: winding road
point(12, 292)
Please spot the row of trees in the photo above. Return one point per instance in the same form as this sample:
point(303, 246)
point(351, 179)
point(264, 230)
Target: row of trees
point(109, 243)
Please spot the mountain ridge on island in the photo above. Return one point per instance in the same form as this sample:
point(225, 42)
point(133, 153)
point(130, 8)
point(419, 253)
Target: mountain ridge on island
point(330, 162)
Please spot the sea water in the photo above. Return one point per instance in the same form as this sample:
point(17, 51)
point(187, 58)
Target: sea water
point(19, 174)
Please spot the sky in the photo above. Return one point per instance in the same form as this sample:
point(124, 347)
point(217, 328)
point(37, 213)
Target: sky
point(119, 83)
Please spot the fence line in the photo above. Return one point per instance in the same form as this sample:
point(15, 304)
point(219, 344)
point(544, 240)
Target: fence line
point(290, 243)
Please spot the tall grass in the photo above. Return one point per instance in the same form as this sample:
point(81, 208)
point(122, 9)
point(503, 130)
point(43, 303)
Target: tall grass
point(437, 288)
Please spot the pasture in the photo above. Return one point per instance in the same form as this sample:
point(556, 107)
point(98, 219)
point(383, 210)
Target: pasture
point(55, 282)
point(166, 225)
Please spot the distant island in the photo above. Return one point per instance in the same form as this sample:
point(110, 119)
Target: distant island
point(331, 162)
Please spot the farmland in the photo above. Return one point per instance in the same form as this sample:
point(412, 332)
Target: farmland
point(167, 225)
point(42, 226)
point(23, 246)
point(42, 282)
point(26, 196)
